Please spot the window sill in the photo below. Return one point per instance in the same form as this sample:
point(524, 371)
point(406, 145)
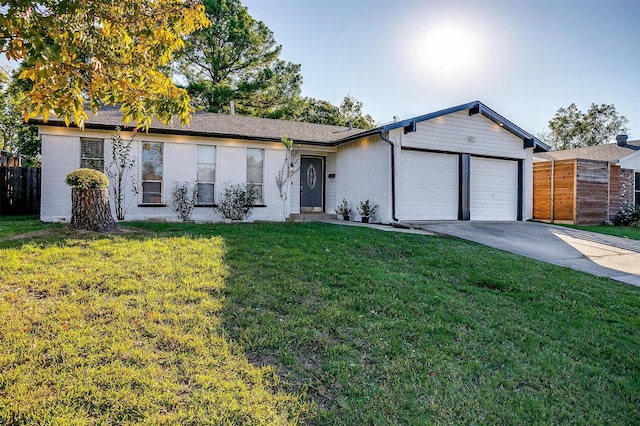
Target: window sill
point(259, 205)
point(152, 205)
point(206, 205)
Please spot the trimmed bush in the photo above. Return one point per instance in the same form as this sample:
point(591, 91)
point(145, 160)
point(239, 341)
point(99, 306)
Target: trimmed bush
point(183, 199)
point(87, 178)
point(237, 201)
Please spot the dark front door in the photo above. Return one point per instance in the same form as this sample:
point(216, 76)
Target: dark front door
point(311, 182)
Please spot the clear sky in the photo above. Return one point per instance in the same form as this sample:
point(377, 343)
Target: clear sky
point(523, 59)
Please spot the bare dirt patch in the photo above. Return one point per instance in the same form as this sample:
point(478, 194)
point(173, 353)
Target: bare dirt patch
point(67, 233)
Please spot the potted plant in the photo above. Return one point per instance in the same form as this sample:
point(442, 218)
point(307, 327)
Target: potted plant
point(367, 210)
point(344, 210)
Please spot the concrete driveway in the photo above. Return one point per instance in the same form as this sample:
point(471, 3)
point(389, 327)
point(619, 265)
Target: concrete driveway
point(602, 255)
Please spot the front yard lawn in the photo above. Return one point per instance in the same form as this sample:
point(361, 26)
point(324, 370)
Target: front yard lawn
point(631, 232)
point(306, 323)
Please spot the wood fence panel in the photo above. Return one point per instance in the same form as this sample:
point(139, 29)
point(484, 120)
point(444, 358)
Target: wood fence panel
point(19, 191)
point(564, 194)
point(576, 191)
point(592, 192)
point(8, 159)
point(543, 184)
point(614, 191)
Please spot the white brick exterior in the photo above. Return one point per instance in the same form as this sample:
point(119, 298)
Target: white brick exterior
point(61, 155)
point(359, 170)
point(363, 171)
point(331, 169)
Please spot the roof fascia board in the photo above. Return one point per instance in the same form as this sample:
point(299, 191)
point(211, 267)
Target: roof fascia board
point(529, 140)
point(352, 138)
point(628, 156)
point(408, 125)
point(178, 132)
point(407, 122)
point(476, 107)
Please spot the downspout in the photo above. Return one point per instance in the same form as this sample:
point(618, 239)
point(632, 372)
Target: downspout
point(393, 175)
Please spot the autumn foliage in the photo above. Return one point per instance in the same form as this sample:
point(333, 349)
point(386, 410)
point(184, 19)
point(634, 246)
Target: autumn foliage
point(77, 53)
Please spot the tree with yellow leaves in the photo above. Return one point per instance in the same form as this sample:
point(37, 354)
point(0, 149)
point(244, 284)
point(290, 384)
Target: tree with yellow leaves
point(79, 53)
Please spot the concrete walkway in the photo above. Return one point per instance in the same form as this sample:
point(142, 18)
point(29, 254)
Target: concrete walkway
point(404, 228)
point(598, 254)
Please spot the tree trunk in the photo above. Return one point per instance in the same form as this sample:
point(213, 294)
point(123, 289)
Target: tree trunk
point(90, 210)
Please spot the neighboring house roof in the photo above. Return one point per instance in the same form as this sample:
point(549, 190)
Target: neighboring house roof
point(606, 152)
point(475, 107)
point(265, 129)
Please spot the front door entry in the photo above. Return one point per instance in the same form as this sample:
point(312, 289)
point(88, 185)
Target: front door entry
point(311, 184)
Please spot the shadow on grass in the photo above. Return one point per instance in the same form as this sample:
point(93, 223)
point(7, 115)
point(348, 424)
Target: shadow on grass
point(386, 328)
point(125, 328)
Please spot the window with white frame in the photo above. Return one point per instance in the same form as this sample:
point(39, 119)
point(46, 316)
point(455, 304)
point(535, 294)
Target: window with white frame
point(205, 174)
point(92, 154)
point(152, 173)
point(255, 171)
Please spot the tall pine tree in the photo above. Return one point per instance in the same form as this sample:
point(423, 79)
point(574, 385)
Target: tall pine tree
point(237, 59)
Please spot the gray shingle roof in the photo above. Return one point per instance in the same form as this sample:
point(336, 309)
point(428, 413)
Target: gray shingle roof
point(606, 152)
point(232, 126)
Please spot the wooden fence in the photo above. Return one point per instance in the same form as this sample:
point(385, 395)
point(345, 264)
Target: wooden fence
point(19, 191)
point(9, 159)
point(575, 191)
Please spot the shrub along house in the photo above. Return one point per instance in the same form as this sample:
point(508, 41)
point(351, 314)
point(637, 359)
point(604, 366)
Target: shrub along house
point(462, 163)
point(587, 185)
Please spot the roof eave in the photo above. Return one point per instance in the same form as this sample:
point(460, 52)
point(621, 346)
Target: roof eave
point(475, 107)
point(409, 122)
point(351, 138)
point(182, 132)
point(628, 156)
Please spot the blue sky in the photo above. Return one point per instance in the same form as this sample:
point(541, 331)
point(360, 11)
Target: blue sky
point(524, 59)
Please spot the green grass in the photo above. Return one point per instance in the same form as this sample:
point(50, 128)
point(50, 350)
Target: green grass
point(631, 232)
point(312, 323)
point(126, 331)
point(16, 227)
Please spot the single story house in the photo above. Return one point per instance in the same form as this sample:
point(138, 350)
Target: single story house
point(461, 163)
point(587, 185)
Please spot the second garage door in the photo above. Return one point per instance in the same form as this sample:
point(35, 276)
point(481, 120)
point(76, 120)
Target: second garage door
point(428, 186)
point(494, 189)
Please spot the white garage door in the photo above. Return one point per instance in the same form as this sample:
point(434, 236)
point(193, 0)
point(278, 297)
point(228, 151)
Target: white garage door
point(494, 189)
point(428, 186)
